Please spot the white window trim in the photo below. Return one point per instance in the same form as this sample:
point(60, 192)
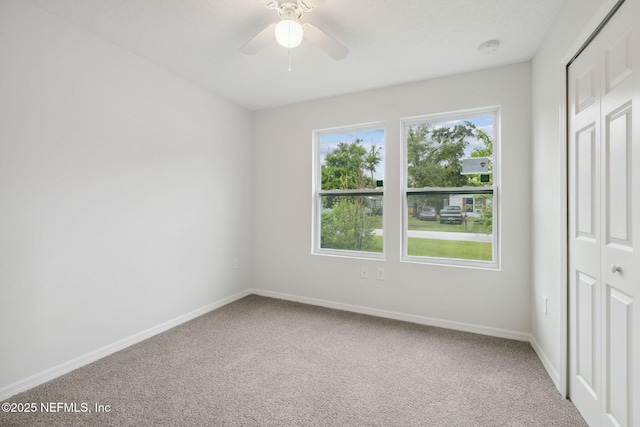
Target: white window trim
point(445, 117)
point(317, 192)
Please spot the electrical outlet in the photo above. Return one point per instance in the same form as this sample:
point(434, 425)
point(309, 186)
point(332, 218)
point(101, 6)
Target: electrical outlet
point(545, 304)
point(380, 273)
point(364, 272)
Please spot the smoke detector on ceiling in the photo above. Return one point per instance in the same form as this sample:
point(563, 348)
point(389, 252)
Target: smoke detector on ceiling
point(489, 48)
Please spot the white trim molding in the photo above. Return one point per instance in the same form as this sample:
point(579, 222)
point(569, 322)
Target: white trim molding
point(429, 321)
point(78, 362)
point(83, 360)
point(546, 362)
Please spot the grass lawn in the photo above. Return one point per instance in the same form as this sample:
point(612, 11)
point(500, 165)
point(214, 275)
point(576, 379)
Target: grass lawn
point(457, 249)
point(436, 248)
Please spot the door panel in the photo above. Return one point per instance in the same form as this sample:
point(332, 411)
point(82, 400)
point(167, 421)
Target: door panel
point(585, 170)
point(618, 61)
point(585, 90)
point(586, 334)
point(618, 177)
point(619, 351)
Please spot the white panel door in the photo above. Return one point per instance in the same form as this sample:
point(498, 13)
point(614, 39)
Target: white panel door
point(604, 224)
point(584, 153)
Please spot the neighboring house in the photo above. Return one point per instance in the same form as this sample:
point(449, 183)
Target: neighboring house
point(470, 205)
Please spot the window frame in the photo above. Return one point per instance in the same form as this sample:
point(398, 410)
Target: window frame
point(318, 193)
point(494, 264)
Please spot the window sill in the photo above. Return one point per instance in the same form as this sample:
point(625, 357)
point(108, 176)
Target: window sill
point(350, 254)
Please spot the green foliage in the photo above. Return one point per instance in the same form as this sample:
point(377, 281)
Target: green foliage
point(434, 154)
point(486, 151)
point(371, 162)
point(486, 216)
point(349, 225)
point(346, 167)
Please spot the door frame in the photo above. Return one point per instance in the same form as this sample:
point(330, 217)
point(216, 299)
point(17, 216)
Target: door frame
point(590, 31)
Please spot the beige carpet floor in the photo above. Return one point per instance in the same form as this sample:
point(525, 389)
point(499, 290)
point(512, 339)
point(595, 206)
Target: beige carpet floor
point(266, 362)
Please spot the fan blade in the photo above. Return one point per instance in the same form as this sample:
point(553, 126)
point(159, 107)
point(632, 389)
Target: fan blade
point(254, 45)
point(325, 42)
point(308, 5)
point(269, 4)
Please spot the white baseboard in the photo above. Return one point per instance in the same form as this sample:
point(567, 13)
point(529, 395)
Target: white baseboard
point(546, 362)
point(56, 371)
point(49, 374)
point(459, 326)
point(429, 321)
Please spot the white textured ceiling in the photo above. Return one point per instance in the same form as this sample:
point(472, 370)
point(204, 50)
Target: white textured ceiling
point(390, 41)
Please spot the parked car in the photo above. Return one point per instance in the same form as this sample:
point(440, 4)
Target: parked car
point(451, 215)
point(428, 213)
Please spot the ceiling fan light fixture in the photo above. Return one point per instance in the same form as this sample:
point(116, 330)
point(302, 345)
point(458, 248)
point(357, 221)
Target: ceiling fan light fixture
point(289, 33)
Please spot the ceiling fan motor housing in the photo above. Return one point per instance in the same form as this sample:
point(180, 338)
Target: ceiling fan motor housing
point(290, 11)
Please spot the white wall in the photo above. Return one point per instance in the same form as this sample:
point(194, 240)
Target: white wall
point(124, 195)
point(574, 22)
point(489, 300)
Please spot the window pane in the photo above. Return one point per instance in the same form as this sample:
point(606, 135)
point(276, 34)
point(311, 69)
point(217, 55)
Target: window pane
point(351, 222)
point(349, 190)
point(440, 225)
point(435, 150)
point(450, 187)
point(352, 160)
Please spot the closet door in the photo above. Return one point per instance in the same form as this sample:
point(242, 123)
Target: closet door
point(604, 223)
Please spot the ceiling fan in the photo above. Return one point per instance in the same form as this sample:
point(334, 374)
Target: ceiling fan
point(289, 32)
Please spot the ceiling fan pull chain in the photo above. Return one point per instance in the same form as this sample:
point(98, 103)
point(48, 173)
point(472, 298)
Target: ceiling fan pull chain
point(289, 59)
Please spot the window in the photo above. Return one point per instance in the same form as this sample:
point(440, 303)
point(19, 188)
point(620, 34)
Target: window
point(349, 191)
point(451, 175)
